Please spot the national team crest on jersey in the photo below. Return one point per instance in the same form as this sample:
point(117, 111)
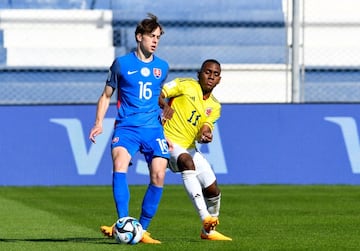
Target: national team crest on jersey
point(157, 72)
point(208, 111)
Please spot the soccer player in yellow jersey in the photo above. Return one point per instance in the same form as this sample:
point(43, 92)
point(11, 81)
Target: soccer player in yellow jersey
point(190, 112)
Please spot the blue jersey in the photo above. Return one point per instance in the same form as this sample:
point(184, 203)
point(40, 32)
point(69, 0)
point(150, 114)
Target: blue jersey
point(138, 87)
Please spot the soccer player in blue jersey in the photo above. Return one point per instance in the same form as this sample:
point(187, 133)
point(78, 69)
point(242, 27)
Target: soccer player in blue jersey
point(137, 78)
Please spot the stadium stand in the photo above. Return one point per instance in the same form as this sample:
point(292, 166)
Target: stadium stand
point(57, 38)
point(2, 49)
point(227, 54)
point(197, 8)
point(332, 84)
point(55, 56)
point(2, 55)
point(51, 86)
point(332, 51)
point(236, 36)
point(55, 4)
point(4, 4)
point(237, 28)
point(237, 32)
point(231, 45)
point(233, 31)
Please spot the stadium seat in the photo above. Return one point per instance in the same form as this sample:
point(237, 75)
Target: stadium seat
point(119, 51)
point(241, 36)
point(2, 49)
point(181, 17)
point(38, 4)
point(2, 56)
point(60, 57)
point(31, 42)
point(99, 4)
point(49, 86)
point(1, 38)
point(66, 37)
point(196, 6)
point(332, 85)
point(234, 31)
point(4, 4)
point(55, 4)
point(192, 56)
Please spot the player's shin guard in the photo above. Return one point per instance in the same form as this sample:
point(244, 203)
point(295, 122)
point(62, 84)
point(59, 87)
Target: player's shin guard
point(213, 205)
point(121, 194)
point(150, 205)
point(193, 189)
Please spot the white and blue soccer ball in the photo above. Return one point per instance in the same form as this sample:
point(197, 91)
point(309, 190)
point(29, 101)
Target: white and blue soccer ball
point(128, 230)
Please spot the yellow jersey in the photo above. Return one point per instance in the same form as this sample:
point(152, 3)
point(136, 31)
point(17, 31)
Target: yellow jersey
point(191, 111)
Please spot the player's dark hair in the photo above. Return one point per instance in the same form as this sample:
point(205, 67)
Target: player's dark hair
point(210, 61)
point(148, 25)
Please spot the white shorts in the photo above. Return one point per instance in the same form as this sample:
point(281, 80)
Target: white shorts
point(205, 173)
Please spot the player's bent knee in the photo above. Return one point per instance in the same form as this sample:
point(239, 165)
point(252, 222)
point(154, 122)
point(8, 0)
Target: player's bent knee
point(185, 162)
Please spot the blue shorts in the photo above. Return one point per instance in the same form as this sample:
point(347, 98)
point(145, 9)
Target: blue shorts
point(150, 142)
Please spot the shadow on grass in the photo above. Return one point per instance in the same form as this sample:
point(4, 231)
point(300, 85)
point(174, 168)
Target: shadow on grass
point(74, 240)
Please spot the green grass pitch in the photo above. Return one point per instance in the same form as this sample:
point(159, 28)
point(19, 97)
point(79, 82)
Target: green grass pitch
point(259, 217)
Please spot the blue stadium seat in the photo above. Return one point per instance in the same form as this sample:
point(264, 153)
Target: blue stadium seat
point(50, 86)
point(332, 84)
point(192, 56)
point(2, 49)
point(99, 4)
point(196, 6)
point(2, 56)
point(56, 86)
point(231, 17)
point(213, 12)
point(1, 38)
point(215, 36)
point(233, 31)
point(56, 4)
point(4, 4)
point(38, 4)
point(119, 51)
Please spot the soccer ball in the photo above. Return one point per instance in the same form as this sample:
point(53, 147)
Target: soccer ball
point(128, 230)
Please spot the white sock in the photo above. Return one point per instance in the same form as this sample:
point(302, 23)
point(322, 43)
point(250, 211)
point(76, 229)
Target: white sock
point(213, 205)
point(193, 189)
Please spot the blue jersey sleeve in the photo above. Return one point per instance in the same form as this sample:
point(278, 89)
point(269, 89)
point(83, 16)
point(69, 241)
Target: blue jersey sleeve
point(114, 74)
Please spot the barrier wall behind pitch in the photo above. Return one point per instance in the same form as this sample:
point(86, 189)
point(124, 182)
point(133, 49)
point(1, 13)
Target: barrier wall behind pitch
point(254, 144)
